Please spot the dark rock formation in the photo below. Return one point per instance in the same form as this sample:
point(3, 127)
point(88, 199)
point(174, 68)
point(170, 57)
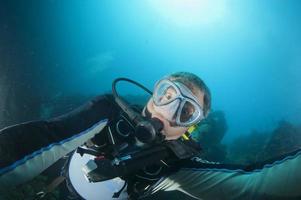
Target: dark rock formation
point(209, 134)
point(261, 146)
point(284, 139)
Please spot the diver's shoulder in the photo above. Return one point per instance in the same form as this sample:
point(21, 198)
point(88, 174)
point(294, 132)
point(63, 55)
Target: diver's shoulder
point(106, 96)
point(103, 98)
point(104, 102)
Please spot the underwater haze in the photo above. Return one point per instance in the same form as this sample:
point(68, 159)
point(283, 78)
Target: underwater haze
point(55, 54)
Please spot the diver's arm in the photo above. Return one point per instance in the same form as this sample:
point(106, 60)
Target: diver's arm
point(29, 148)
point(280, 180)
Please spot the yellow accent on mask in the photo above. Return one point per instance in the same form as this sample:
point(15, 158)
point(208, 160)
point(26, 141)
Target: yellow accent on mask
point(186, 135)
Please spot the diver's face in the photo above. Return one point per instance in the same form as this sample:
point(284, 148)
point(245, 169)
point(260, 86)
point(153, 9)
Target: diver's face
point(171, 132)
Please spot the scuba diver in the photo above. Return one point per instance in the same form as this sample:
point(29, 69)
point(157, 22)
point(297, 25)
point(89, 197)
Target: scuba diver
point(151, 148)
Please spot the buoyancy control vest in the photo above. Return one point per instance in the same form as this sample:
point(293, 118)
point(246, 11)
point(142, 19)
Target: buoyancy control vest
point(151, 167)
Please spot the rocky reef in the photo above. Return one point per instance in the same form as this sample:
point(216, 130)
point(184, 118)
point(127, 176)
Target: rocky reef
point(209, 134)
point(260, 146)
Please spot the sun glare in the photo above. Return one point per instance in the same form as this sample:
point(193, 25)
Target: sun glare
point(190, 12)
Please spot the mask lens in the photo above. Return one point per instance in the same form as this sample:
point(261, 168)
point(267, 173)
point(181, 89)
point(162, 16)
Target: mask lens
point(187, 112)
point(164, 94)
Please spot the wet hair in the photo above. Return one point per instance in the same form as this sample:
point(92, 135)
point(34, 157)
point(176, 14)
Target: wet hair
point(192, 81)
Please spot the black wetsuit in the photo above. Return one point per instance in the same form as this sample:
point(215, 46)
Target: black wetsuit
point(29, 148)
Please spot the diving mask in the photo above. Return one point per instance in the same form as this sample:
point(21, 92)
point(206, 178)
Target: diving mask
point(177, 103)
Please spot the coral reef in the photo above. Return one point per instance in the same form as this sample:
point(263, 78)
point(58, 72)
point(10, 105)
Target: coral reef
point(261, 146)
point(209, 134)
point(284, 139)
point(247, 148)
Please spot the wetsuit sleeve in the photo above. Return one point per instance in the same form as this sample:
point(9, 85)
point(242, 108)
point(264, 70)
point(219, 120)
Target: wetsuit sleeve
point(29, 148)
point(279, 180)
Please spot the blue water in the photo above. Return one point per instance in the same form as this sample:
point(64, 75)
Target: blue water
point(248, 52)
